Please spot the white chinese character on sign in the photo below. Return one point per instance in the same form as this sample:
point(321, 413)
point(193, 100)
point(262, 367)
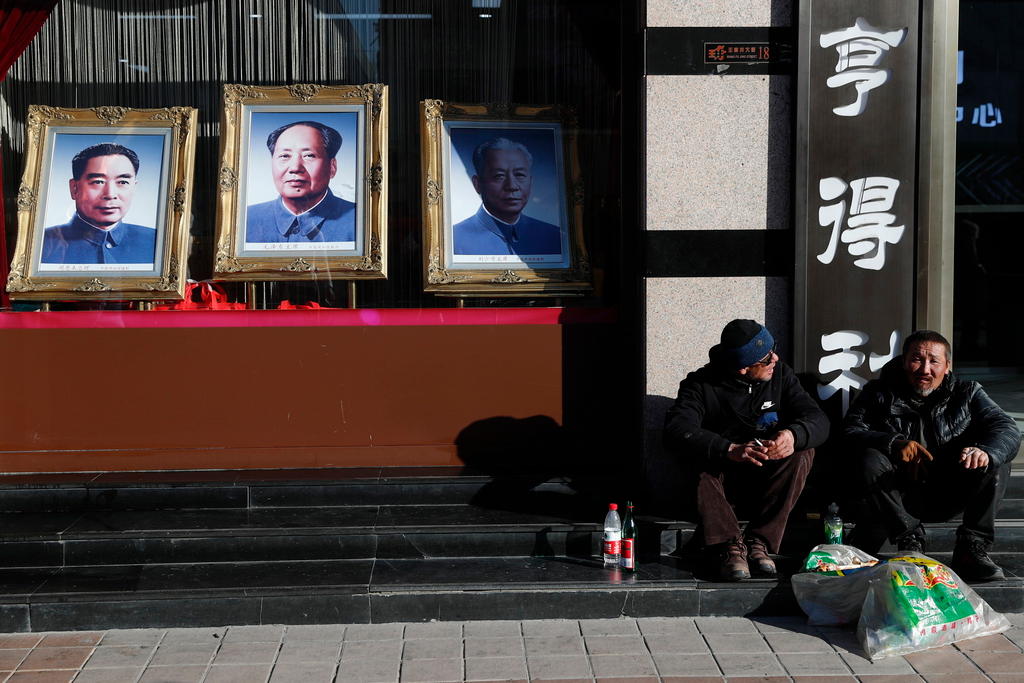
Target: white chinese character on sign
point(987, 116)
point(869, 225)
point(959, 114)
point(845, 359)
point(861, 48)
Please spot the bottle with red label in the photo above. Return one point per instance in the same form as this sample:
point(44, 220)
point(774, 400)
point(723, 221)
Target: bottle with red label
point(611, 548)
point(629, 539)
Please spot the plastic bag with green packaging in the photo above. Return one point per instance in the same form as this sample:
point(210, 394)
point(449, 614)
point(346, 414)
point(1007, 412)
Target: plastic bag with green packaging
point(832, 587)
point(915, 603)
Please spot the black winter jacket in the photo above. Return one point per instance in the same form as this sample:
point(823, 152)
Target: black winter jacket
point(715, 409)
point(961, 415)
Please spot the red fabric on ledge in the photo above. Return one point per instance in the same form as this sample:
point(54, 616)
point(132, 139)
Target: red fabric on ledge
point(20, 21)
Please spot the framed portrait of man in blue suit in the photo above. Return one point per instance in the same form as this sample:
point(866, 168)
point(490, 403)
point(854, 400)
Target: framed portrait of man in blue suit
point(306, 167)
point(500, 209)
point(108, 191)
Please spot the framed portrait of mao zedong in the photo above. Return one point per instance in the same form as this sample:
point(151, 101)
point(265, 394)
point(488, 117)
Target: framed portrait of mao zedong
point(104, 204)
point(502, 201)
point(303, 183)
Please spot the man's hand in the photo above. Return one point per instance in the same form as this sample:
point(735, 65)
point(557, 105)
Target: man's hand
point(781, 445)
point(751, 452)
point(914, 456)
point(973, 458)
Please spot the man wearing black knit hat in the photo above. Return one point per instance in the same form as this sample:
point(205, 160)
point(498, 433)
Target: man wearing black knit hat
point(748, 429)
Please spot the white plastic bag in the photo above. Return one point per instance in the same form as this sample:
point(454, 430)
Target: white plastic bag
point(915, 603)
point(832, 588)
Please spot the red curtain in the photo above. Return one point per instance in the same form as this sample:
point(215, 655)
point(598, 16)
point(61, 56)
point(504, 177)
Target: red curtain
point(20, 21)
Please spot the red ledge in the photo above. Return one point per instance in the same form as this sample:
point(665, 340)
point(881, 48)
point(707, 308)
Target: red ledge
point(310, 318)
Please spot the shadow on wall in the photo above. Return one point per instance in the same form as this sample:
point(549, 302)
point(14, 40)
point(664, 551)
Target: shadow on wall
point(532, 466)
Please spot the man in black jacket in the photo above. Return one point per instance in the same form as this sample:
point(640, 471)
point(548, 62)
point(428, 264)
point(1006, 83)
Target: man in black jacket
point(748, 428)
point(926, 447)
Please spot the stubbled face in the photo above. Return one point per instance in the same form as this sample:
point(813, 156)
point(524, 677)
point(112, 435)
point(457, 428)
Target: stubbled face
point(925, 365)
point(504, 187)
point(761, 373)
point(103, 194)
point(301, 168)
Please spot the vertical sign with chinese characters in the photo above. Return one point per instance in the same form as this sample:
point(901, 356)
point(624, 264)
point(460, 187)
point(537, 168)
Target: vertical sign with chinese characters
point(856, 184)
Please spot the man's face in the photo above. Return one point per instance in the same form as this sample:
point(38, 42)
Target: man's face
point(103, 194)
point(301, 168)
point(504, 186)
point(925, 365)
point(763, 370)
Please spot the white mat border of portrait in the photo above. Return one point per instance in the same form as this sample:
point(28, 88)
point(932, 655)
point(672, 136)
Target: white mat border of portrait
point(149, 206)
point(351, 161)
point(460, 194)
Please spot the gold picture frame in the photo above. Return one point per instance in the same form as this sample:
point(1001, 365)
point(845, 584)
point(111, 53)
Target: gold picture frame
point(468, 250)
point(120, 230)
point(275, 219)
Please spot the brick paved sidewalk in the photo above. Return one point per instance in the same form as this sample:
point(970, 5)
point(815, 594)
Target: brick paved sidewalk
point(680, 649)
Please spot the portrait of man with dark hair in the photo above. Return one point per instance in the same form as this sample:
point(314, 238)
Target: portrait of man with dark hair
point(104, 178)
point(303, 162)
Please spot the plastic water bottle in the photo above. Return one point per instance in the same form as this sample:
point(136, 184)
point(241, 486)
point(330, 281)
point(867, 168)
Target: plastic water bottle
point(833, 525)
point(611, 548)
point(628, 561)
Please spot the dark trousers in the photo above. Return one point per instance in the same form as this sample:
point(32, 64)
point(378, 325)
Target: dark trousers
point(894, 504)
point(766, 494)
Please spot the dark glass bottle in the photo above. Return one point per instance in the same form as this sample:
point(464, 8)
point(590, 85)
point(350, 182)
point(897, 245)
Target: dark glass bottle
point(628, 561)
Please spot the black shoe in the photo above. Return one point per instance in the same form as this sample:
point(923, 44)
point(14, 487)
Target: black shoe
point(971, 561)
point(911, 541)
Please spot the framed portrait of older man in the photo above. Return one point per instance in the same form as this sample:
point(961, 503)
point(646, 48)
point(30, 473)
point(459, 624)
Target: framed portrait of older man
point(103, 206)
point(303, 191)
point(502, 201)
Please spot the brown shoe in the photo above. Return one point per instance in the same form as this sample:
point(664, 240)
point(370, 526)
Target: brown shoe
point(757, 551)
point(732, 561)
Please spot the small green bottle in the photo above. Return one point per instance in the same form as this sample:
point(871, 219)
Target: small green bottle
point(833, 526)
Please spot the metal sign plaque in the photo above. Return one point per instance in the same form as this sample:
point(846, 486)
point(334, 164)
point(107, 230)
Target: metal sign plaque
point(856, 224)
point(737, 53)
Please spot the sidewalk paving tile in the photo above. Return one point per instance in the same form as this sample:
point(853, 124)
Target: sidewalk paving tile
point(708, 625)
point(742, 643)
point(975, 677)
point(315, 632)
point(20, 640)
point(184, 654)
point(55, 658)
point(246, 653)
point(606, 666)
point(369, 670)
point(554, 645)
point(1007, 678)
point(310, 651)
point(10, 659)
point(432, 648)
point(173, 674)
point(120, 655)
point(71, 639)
point(558, 666)
point(495, 668)
point(122, 675)
point(750, 665)
point(133, 636)
point(609, 627)
point(943, 660)
point(238, 673)
point(303, 672)
point(254, 634)
point(432, 671)
point(796, 642)
point(550, 627)
point(783, 625)
point(373, 632)
point(804, 663)
point(439, 629)
point(862, 666)
point(686, 644)
point(656, 626)
point(998, 662)
point(824, 679)
point(615, 645)
point(372, 649)
point(891, 678)
point(993, 643)
point(42, 677)
point(492, 629)
point(686, 665)
point(494, 647)
point(193, 635)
